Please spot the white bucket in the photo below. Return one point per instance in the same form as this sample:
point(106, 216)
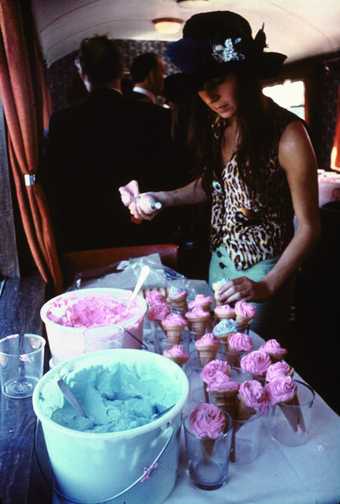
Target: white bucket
point(68, 342)
point(91, 467)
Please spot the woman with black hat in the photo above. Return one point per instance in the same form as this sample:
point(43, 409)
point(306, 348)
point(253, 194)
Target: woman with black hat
point(255, 164)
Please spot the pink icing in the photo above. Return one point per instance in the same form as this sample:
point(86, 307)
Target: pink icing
point(256, 362)
point(239, 342)
point(207, 421)
point(176, 351)
point(207, 340)
point(282, 389)
point(89, 311)
point(273, 348)
point(225, 310)
point(255, 396)
point(154, 296)
point(158, 311)
point(278, 370)
point(245, 310)
point(222, 383)
point(174, 320)
point(210, 369)
point(200, 301)
point(197, 313)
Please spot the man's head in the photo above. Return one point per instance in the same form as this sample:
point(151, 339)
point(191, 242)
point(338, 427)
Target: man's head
point(147, 71)
point(99, 62)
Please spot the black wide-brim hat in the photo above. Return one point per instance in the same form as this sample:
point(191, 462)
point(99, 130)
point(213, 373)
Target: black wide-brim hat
point(216, 43)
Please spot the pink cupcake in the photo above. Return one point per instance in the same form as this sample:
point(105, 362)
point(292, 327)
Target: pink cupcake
point(201, 301)
point(275, 351)
point(245, 312)
point(199, 320)
point(224, 311)
point(256, 363)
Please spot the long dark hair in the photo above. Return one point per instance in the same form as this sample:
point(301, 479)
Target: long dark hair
point(206, 132)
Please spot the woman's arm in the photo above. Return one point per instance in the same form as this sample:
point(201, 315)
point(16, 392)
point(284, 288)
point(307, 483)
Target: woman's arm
point(297, 158)
point(191, 194)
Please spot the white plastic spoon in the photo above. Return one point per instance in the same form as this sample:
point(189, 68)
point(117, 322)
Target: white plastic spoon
point(144, 273)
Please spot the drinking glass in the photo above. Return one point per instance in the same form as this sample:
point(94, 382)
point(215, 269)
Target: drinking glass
point(208, 459)
point(21, 364)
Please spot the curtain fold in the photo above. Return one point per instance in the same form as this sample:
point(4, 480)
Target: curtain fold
point(27, 108)
point(336, 143)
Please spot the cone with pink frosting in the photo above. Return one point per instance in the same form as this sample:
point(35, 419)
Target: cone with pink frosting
point(198, 321)
point(245, 312)
point(256, 363)
point(238, 343)
point(173, 326)
point(283, 392)
point(177, 354)
point(201, 302)
point(207, 348)
point(275, 351)
point(224, 392)
point(207, 422)
point(224, 311)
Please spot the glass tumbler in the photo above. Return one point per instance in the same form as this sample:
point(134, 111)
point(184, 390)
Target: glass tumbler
point(290, 423)
point(21, 364)
point(208, 459)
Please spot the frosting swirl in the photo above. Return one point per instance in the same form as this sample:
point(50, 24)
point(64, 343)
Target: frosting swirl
point(201, 301)
point(281, 390)
point(158, 311)
point(255, 396)
point(274, 349)
point(240, 342)
point(224, 327)
point(208, 340)
point(210, 369)
point(222, 383)
point(256, 362)
point(277, 370)
point(207, 421)
point(245, 310)
point(174, 320)
point(224, 310)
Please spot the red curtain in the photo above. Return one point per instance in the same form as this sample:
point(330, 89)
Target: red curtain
point(27, 106)
point(337, 133)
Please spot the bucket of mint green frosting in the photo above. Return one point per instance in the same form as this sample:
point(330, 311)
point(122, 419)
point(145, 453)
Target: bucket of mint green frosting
point(133, 466)
point(66, 342)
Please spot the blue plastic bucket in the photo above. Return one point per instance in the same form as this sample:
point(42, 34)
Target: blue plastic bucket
point(133, 466)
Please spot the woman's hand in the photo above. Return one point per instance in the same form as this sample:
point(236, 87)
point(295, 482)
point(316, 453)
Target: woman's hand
point(243, 289)
point(142, 206)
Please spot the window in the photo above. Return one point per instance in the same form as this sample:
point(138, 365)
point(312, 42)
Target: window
point(290, 95)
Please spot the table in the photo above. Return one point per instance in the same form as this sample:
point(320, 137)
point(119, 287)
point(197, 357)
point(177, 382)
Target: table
point(309, 474)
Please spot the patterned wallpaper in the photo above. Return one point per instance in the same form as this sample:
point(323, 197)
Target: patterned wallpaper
point(65, 85)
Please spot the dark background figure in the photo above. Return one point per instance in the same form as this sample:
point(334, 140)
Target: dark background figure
point(97, 145)
point(147, 74)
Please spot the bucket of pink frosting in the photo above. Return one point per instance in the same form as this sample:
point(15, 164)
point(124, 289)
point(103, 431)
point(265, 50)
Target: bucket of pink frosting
point(123, 447)
point(88, 320)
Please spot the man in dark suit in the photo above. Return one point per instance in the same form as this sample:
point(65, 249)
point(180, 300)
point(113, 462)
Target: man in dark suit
point(147, 73)
point(97, 146)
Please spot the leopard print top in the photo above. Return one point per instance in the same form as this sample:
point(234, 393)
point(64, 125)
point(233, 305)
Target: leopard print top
point(252, 225)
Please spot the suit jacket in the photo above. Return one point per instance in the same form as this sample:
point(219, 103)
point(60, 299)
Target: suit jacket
point(92, 149)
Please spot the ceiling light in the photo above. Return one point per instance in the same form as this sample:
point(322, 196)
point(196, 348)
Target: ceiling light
point(193, 3)
point(167, 25)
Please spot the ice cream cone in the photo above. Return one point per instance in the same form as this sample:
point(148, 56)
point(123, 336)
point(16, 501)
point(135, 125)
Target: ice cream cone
point(208, 446)
point(233, 358)
point(174, 335)
point(226, 401)
point(198, 327)
point(179, 306)
point(207, 354)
